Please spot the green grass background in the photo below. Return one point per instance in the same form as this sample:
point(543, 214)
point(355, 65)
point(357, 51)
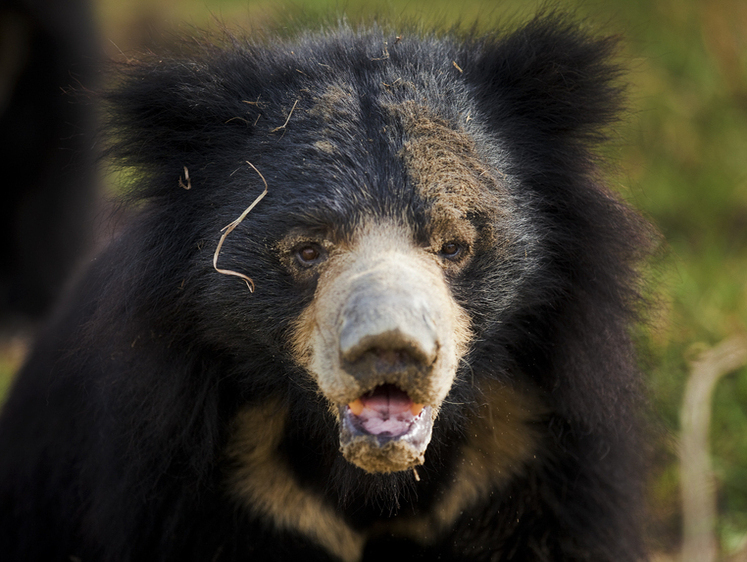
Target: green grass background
point(680, 157)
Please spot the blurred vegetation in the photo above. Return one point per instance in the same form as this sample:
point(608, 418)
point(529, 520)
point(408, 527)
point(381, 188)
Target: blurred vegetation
point(680, 157)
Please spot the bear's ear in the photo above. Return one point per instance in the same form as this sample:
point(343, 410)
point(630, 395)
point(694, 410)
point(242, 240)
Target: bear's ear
point(163, 112)
point(551, 76)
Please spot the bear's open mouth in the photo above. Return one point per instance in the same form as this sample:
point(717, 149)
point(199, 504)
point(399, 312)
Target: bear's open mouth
point(384, 430)
point(386, 411)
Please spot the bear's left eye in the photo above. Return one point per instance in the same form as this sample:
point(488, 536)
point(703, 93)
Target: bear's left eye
point(309, 254)
point(451, 250)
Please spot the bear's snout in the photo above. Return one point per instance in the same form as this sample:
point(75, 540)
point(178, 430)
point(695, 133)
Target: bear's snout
point(387, 330)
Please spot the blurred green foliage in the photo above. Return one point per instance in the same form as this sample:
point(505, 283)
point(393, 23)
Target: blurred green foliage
point(680, 157)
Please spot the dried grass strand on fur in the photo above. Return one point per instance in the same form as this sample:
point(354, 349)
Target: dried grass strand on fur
point(229, 228)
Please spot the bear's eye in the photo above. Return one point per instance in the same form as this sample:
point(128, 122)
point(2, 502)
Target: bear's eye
point(309, 254)
point(451, 250)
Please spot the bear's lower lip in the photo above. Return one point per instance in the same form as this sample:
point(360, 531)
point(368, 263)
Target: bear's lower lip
point(386, 435)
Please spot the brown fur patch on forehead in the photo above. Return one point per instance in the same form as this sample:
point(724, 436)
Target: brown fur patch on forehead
point(337, 105)
point(445, 166)
point(325, 146)
point(333, 102)
point(338, 108)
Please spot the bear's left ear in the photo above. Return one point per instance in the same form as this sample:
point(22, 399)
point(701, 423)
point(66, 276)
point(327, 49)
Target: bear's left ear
point(163, 113)
point(549, 76)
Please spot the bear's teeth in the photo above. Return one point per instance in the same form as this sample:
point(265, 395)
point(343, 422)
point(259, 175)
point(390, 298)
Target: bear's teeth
point(356, 407)
point(416, 409)
point(393, 426)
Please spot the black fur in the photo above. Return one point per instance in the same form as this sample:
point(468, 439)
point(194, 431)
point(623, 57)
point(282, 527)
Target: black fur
point(113, 437)
point(49, 181)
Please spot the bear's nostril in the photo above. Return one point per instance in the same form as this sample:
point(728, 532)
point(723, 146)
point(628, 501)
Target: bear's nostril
point(388, 320)
point(393, 357)
point(385, 361)
point(392, 349)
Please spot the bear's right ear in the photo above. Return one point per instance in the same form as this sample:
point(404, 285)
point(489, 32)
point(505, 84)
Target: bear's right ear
point(165, 112)
point(549, 77)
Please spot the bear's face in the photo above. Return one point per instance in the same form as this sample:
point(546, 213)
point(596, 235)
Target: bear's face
point(395, 237)
point(382, 338)
point(384, 335)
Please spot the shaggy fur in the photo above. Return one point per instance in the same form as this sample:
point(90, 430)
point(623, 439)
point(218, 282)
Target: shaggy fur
point(165, 415)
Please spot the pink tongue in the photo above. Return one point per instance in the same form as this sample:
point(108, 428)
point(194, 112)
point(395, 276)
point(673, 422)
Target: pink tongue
point(387, 400)
point(386, 410)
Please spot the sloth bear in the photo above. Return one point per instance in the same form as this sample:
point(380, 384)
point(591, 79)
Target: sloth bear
point(411, 340)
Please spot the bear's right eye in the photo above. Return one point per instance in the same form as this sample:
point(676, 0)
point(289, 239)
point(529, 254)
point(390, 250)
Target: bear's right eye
point(309, 254)
point(452, 251)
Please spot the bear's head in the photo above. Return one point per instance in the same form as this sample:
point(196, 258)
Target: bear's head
point(404, 253)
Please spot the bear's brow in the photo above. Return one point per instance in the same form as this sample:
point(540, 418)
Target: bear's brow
point(320, 221)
